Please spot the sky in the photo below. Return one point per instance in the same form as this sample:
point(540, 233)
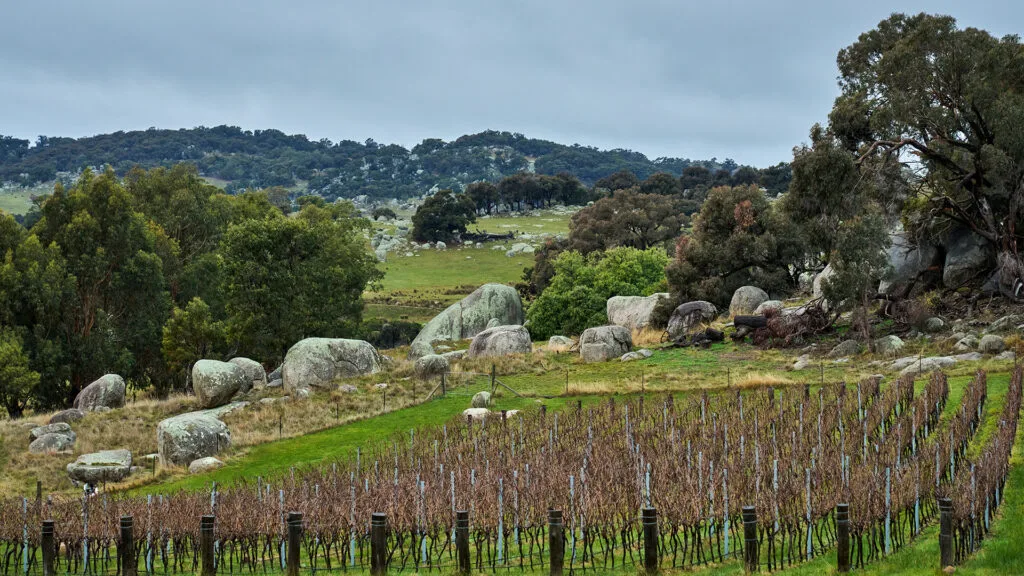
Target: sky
point(741, 79)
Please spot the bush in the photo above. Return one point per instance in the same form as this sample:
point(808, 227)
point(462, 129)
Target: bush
point(443, 216)
point(389, 333)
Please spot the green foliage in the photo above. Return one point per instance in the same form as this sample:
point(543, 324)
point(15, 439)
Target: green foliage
point(858, 263)
point(290, 278)
point(443, 216)
point(628, 218)
point(17, 379)
point(738, 239)
point(191, 334)
point(389, 333)
point(383, 212)
point(579, 290)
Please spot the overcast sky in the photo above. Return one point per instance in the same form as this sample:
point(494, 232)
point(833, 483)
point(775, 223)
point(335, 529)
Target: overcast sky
point(697, 79)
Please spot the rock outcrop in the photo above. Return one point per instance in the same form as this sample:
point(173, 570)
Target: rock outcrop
point(746, 299)
point(501, 341)
point(968, 255)
point(319, 362)
point(603, 343)
point(216, 382)
point(910, 265)
point(469, 317)
point(187, 437)
point(52, 444)
point(104, 394)
point(689, 317)
point(430, 366)
point(633, 312)
point(255, 374)
point(69, 416)
point(100, 467)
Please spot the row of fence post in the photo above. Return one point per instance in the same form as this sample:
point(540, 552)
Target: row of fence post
point(379, 557)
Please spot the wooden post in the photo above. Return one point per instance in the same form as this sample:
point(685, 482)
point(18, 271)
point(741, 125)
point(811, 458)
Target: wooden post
point(462, 540)
point(49, 548)
point(843, 537)
point(444, 384)
point(751, 554)
point(556, 542)
point(294, 543)
point(945, 532)
point(378, 543)
point(126, 547)
point(650, 523)
point(494, 378)
point(206, 545)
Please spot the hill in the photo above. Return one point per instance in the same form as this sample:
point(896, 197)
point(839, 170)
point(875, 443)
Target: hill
point(345, 169)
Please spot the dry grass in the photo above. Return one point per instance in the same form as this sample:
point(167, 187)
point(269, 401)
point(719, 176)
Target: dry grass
point(755, 379)
point(647, 336)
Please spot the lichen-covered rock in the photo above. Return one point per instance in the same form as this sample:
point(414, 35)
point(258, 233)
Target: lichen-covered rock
point(1006, 323)
point(769, 305)
point(844, 349)
point(690, 316)
point(69, 416)
point(819, 280)
point(910, 264)
point(319, 362)
point(255, 374)
point(206, 464)
point(888, 345)
point(501, 341)
point(640, 354)
point(481, 399)
point(216, 382)
point(633, 312)
point(430, 366)
point(52, 444)
point(187, 437)
point(966, 344)
point(99, 467)
point(559, 344)
point(802, 362)
point(603, 343)
point(454, 355)
point(926, 365)
point(469, 317)
point(991, 344)
point(105, 393)
point(746, 299)
point(57, 428)
point(934, 324)
point(967, 255)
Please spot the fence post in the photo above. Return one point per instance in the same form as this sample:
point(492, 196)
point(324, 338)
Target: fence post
point(294, 542)
point(751, 555)
point(462, 540)
point(206, 545)
point(556, 542)
point(378, 543)
point(444, 384)
point(49, 547)
point(126, 548)
point(494, 378)
point(843, 537)
point(650, 523)
point(946, 532)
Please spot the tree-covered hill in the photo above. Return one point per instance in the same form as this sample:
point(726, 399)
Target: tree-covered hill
point(264, 158)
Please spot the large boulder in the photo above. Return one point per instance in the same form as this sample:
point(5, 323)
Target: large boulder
point(816, 286)
point(968, 255)
point(99, 467)
point(216, 382)
point(206, 464)
point(469, 317)
point(52, 444)
point(910, 264)
point(769, 305)
point(56, 428)
point(991, 344)
point(69, 416)
point(603, 343)
point(319, 362)
point(501, 341)
point(187, 437)
point(255, 374)
point(689, 317)
point(633, 312)
point(103, 394)
point(746, 299)
point(430, 366)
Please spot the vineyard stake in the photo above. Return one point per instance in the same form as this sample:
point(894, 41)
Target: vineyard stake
point(49, 548)
point(843, 537)
point(650, 523)
point(126, 547)
point(444, 385)
point(462, 539)
point(294, 542)
point(945, 532)
point(556, 542)
point(206, 545)
point(494, 374)
point(750, 551)
point(378, 543)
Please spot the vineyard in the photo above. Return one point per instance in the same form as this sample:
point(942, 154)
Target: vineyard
point(755, 475)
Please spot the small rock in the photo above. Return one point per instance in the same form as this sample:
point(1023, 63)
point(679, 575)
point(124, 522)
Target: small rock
point(966, 343)
point(768, 305)
point(1005, 324)
point(103, 466)
point(348, 389)
point(802, 362)
point(302, 393)
point(380, 386)
point(206, 464)
point(52, 444)
point(991, 344)
point(968, 357)
point(268, 400)
point(1006, 355)
point(69, 416)
point(430, 366)
point(276, 383)
point(637, 355)
point(58, 428)
point(559, 344)
point(926, 365)
point(888, 345)
point(844, 349)
point(454, 355)
point(934, 324)
point(481, 399)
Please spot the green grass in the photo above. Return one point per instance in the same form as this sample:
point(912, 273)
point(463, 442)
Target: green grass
point(19, 200)
point(540, 222)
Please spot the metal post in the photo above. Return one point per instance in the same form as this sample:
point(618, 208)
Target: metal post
point(126, 548)
point(751, 556)
point(206, 526)
point(49, 548)
point(843, 537)
point(650, 522)
point(462, 540)
point(294, 542)
point(946, 532)
point(556, 542)
point(378, 543)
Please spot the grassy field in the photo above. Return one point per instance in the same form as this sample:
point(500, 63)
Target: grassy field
point(19, 200)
